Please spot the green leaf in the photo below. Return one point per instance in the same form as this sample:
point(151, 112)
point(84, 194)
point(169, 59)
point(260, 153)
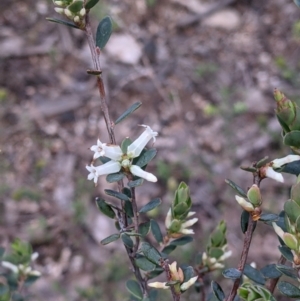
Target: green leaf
point(286, 253)
point(124, 145)
point(288, 271)
point(155, 273)
point(254, 274)
point(146, 157)
point(128, 209)
point(104, 31)
point(3, 289)
point(91, 3)
point(144, 264)
point(153, 295)
point(151, 205)
point(217, 291)
point(110, 239)
point(127, 240)
point(244, 221)
point(288, 289)
point(62, 22)
point(168, 249)
point(105, 208)
point(31, 279)
point(117, 195)
point(270, 271)
point(2, 251)
point(130, 110)
point(268, 217)
point(134, 288)
point(292, 210)
point(291, 168)
point(232, 273)
point(237, 188)
point(188, 273)
point(115, 177)
point(17, 297)
point(135, 183)
point(297, 2)
point(156, 231)
point(150, 253)
point(144, 228)
point(262, 162)
point(292, 139)
point(182, 241)
point(76, 6)
point(215, 252)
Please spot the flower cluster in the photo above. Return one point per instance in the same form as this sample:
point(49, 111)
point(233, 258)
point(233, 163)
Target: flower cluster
point(72, 9)
point(177, 276)
point(119, 160)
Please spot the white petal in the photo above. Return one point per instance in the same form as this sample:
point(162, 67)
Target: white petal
point(282, 161)
point(98, 149)
point(34, 256)
point(225, 255)
point(189, 223)
point(137, 171)
point(272, 174)
point(173, 269)
point(113, 152)
point(159, 285)
point(244, 204)
point(187, 231)
point(136, 147)
point(189, 283)
point(35, 273)
point(108, 168)
point(168, 219)
point(93, 173)
point(10, 266)
point(218, 266)
point(191, 213)
point(278, 230)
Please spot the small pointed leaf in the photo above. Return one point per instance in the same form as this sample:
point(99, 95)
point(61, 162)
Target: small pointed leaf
point(116, 194)
point(254, 274)
point(270, 271)
point(130, 110)
point(262, 162)
point(144, 264)
point(168, 249)
point(127, 240)
point(144, 228)
point(217, 291)
point(288, 271)
point(115, 177)
point(76, 6)
point(124, 145)
point(146, 157)
point(244, 221)
point(232, 273)
point(268, 217)
point(292, 139)
point(151, 253)
point(188, 273)
point(151, 205)
point(91, 3)
point(104, 31)
point(128, 209)
point(288, 289)
point(70, 24)
point(291, 168)
point(182, 241)
point(156, 231)
point(105, 208)
point(135, 183)
point(110, 239)
point(286, 253)
point(237, 188)
point(134, 288)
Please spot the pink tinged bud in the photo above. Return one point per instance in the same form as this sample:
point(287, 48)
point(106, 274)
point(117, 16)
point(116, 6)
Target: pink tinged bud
point(10, 266)
point(136, 147)
point(137, 171)
point(188, 284)
point(159, 285)
point(277, 163)
point(113, 152)
point(244, 204)
point(108, 168)
point(59, 10)
point(272, 174)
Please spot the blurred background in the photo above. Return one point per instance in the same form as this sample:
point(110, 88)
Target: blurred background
point(205, 72)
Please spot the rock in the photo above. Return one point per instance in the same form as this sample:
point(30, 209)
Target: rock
point(228, 19)
point(124, 48)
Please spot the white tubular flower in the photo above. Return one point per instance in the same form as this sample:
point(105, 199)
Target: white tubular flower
point(277, 163)
point(93, 173)
point(98, 149)
point(136, 147)
point(113, 152)
point(10, 266)
point(272, 174)
point(137, 171)
point(159, 285)
point(244, 204)
point(189, 283)
point(108, 168)
point(168, 220)
point(59, 10)
point(278, 230)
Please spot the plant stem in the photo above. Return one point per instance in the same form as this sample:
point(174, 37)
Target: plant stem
point(244, 255)
point(135, 220)
point(273, 282)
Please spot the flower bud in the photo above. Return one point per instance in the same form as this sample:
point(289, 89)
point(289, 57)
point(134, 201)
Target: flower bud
point(254, 195)
point(244, 204)
point(59, 10)
point(182, 202)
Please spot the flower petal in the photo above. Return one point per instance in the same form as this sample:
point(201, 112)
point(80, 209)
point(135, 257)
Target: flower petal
point(189, 283)
point(108, 168)
point(93, 173)
point(158, 285)
point(189, 223)
point(10, 266)
point(278, 230)
point(136, 147)
point(98, 149)
point(113, 152)
point(187, 231)
point(277, 163)
point(272, 174)
point(168, 219)
point(137, 171)
point(244, 204)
